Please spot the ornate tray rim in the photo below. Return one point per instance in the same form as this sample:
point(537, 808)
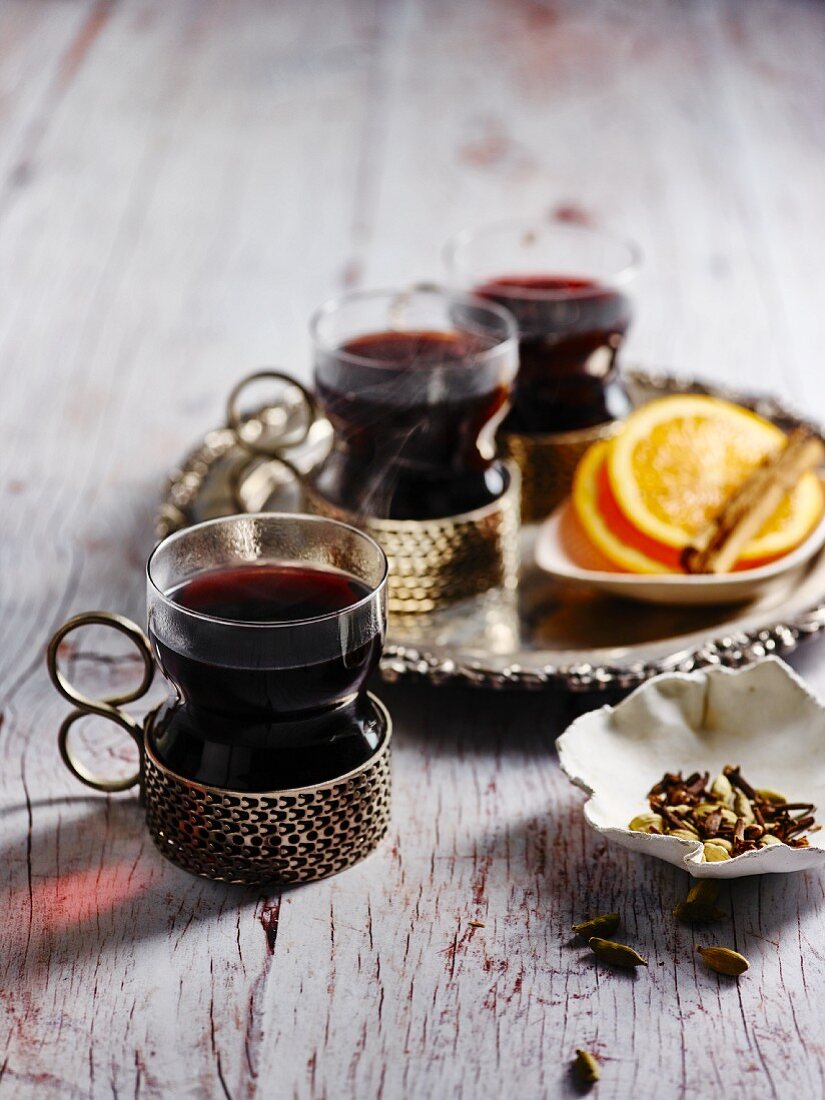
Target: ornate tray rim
point(402, 662)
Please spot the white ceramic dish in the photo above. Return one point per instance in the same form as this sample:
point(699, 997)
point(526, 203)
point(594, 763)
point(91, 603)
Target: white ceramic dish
point(762, 717)
point(564, 552)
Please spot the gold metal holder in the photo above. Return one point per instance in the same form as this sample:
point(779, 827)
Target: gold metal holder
point(547, 463)
point(288, 836)
point(437, 562)
point(270, 432)
point(285, 836)
point(108, 707)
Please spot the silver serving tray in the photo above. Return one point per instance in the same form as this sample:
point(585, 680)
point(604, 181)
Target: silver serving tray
point(546, 637)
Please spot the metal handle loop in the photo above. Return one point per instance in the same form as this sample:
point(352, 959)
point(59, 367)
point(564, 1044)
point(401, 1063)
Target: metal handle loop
point(102, 708)
point(80, 771)
point(236, 422)
point(239, 474)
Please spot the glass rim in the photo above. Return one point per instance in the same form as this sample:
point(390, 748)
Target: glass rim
point(431, 290)
point(304, 517)
point(596, 230)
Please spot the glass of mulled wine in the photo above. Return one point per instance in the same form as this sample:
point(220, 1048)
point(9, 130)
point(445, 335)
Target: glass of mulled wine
point(415, 384)
point(268, 627)
point(568, 286)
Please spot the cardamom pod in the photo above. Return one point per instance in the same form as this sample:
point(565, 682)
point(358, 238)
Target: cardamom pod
point(703, 809)
point(768, 839)
point(742, 807)
point(643, 823)
point(694, 913)
point(705, 891)
point(767, 795)
point(699, 907)
point(684, 834)
point(728, 816)
point(721, 842)
point(715, 853)
point(617, 954)
point(597, 926)
point(724, 961)
point(722, 790)
point(586, 1067)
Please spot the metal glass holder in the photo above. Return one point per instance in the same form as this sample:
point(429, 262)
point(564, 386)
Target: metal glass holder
point(283, 836)
point(547, 463)
point(438, 562)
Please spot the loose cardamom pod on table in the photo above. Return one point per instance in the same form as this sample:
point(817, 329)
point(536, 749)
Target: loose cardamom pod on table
point(724, 960)
point(617, 954)
point(586, 1067)
point(597, 926)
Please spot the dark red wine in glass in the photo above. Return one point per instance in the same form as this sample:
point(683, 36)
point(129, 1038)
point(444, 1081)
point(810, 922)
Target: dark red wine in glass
point(567, 286)
point(280, 709)
point(414, 410)
point(570, 332)
point(269, 594)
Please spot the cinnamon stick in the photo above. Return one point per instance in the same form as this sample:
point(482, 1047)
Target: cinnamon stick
point(718, 546)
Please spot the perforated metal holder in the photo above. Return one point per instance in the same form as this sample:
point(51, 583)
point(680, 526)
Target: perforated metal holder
point(245, 837)
point(288, 836)
point(437, 562)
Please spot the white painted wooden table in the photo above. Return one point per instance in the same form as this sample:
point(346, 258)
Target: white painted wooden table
point(181, 181)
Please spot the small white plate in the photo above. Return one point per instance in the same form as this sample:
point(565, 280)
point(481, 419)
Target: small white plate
point(563, 551)
point(763, 717)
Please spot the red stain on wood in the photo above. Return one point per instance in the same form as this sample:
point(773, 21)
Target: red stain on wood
point(571, 212)
point(486, 151)
point(540, 16)
point(352, 274)
point(84, 40)
point(480, 883)
point(491, 147)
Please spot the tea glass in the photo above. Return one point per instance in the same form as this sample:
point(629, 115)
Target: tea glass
point(414, 383)
point(270, 761)
point(568, 285)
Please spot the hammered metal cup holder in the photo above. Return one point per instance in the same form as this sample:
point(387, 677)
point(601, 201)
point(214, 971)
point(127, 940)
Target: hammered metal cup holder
point(438, 562)
point(547, 463)
point(282, 836)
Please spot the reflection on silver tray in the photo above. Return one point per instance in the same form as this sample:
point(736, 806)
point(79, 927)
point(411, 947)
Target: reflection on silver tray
point(545, 636)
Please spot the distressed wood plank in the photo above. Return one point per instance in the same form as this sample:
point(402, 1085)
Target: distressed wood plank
point(656, 119)
point(197, 176)
point(167, 206)
point(43, 45)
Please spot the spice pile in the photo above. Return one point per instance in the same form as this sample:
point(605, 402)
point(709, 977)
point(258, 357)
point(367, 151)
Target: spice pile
point(729, 816)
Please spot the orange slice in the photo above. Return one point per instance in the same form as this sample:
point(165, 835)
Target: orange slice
point(603, 522)
point(677, 460)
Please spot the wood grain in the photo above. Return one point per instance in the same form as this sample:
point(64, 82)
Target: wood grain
point(180, 184)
